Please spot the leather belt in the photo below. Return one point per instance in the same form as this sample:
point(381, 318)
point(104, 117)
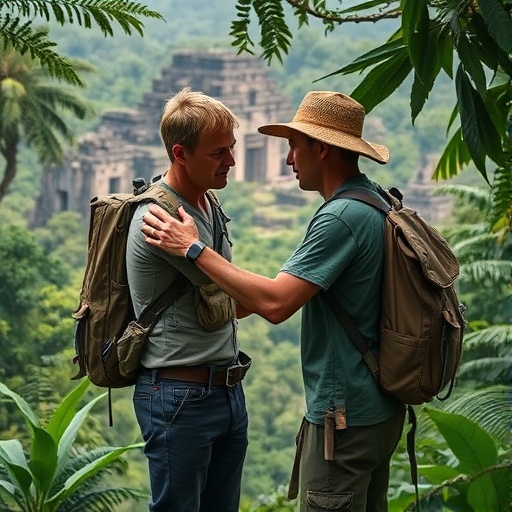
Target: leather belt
point(191, 374)
point(201, 374)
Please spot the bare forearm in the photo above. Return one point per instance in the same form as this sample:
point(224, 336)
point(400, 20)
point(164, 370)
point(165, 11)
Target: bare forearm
point(274, 299)
point(256, 293)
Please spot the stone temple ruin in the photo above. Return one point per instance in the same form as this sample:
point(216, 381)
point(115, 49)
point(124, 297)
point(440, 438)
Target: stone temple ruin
point(418, 194)
point(127, 144)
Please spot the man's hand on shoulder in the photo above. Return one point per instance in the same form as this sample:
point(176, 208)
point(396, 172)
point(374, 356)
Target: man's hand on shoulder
point(164, 231)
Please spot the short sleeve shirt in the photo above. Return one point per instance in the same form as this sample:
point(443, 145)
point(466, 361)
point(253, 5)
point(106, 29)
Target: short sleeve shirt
point(177, 338)
point(343, 249)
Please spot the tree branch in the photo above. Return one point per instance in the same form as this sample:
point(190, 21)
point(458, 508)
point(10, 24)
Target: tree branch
point(331, 17)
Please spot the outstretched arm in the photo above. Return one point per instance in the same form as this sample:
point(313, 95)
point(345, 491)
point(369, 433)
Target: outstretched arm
point(274, 299)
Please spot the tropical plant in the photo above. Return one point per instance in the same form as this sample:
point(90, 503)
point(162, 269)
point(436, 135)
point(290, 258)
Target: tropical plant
point(433, 36)
point(53, 474)
point(484, 249)
point(18, 19)
point(475, 475)
point(32, 106)
point(485, 253)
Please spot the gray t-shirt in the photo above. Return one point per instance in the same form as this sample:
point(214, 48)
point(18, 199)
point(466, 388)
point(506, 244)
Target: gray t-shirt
point(177, 339)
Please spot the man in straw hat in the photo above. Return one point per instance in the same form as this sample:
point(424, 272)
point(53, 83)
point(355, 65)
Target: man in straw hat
point(350, 429)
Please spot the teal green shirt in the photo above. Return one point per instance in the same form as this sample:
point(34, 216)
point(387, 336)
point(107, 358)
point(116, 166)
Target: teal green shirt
point(343, 249)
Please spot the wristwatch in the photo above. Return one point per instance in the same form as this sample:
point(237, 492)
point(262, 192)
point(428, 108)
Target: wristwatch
point(195, 250)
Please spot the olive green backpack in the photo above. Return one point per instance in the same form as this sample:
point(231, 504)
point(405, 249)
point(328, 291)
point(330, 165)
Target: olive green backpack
point(108, 337)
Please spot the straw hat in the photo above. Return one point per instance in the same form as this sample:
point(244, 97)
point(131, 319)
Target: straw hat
point(334, 118)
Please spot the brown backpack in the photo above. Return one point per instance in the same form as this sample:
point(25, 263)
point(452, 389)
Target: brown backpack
point(108, 337)
point(422, 320)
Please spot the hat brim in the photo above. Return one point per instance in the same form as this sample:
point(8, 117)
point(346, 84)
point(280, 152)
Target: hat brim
point(376, 152)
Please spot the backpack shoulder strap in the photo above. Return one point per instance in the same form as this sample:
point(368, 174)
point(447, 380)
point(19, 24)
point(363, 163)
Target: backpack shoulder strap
point(163, 196)
point(151, 313)
point(353, 332)
point(381, 202)
point(160, 194)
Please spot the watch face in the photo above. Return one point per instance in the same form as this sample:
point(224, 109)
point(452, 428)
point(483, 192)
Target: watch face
point(195, 250)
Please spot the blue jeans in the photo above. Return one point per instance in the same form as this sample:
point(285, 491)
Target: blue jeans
point(196, 440)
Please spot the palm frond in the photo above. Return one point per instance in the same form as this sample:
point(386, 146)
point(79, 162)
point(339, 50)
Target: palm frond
point(102, 500)
point(275, 34)
point(21, 36)
point(489, 407)
point(501, 200)
point(489, 370)
point(479, 246)
point(495, 271)
point(87, 13)
point(81, 457)
point(17, 30)
point(496, 336)
point(477, 196)
point(38, 392)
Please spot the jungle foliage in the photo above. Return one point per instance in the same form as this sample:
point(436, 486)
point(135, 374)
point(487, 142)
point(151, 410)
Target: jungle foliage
point(41, 269)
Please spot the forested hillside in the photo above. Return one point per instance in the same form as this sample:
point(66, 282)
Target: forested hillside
point(41, 269)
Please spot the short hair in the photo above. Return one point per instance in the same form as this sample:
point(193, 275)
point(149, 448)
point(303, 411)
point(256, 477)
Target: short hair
point(188, 114)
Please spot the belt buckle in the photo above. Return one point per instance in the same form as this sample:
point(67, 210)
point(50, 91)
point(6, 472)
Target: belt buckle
point(234, 374)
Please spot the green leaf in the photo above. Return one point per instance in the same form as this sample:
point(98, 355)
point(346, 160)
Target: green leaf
point(380, 54)
point(437, 474)
point(43, 460)
point(415, 28)
point(13, 459)
point(474, 448)
point(425, 74)
point(22, 405)
point(491, 491)
point(383, 80)
point(445, 50)
point(485, 45)
point(472, 64)
point(73, 482)
point(364, 6)
point(499, 23)
point(275, 34)
point(474, 120)
point(490, 406)
point(7, 486)
point(65, 413)
point(468, 118)
point(453, 159)
point(68, 437)
point(419, 95)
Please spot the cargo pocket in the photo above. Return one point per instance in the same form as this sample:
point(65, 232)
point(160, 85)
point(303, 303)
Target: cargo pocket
point(317, 501)
point(129, 349)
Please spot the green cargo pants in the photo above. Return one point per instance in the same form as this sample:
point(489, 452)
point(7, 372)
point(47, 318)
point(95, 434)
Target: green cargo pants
point(357, 478)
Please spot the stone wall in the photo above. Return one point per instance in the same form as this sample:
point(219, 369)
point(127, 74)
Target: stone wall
point(127, 144)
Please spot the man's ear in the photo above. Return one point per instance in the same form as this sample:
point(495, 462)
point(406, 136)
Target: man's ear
point(324, 149)
point(178, 152)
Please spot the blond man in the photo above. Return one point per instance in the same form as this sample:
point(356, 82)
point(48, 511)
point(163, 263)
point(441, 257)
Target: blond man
point(190, 408)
